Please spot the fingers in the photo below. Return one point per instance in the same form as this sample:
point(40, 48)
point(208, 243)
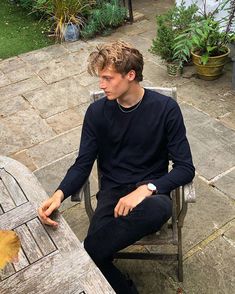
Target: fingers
point(45, 219)
point(51, 208)
point(121, 209)
point(45, 211)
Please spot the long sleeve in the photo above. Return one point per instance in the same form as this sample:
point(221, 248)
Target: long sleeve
point(179, 152)
point(80, 170)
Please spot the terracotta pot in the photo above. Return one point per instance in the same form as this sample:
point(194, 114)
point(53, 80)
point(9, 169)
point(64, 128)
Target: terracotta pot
point(213, 69)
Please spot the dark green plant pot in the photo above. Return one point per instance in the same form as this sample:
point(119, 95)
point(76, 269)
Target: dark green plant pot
point(174, 69)
point(213, 69)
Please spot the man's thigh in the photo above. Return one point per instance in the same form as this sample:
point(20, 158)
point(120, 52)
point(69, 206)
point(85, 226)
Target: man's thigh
point(113, 234)
point(106, 202)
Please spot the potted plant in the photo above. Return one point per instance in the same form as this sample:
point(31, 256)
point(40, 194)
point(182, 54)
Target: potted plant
point(67, 16)
point(169, 25)
point(207, 40)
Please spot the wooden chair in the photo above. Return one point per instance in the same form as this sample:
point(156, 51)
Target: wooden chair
point(170, 233)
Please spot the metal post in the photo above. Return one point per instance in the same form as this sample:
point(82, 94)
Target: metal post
point(130, 11)
point(233, 74)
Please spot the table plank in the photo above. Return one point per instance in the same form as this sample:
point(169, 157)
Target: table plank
point(41, 237)
point(17, 216)
point(53, 269)
point(5, 199)
point(7, 271)
point(87, 280)
point(22, 263)
point(30, 247)
point(13, 188)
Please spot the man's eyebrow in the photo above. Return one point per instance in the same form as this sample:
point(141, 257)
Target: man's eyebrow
point(106, 76)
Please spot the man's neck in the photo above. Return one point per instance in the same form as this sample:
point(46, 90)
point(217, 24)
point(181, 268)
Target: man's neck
point(133, 96)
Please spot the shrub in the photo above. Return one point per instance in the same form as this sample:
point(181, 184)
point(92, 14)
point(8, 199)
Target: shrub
point(106, 16)
point(169, 25)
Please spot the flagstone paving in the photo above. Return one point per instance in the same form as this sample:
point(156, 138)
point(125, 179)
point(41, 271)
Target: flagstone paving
point(44, 95)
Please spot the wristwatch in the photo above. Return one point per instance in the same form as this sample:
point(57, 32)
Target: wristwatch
point(151, 187)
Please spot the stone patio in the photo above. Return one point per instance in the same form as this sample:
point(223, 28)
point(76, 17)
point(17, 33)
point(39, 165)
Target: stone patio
point(44, 95)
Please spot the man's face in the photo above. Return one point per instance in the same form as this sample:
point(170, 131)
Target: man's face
point(113, 83)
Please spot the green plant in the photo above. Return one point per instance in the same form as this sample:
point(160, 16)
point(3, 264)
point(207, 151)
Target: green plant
point(169, 25)
point(207, 37)
point(63, 12)
point(163, 44)
point(106, 16)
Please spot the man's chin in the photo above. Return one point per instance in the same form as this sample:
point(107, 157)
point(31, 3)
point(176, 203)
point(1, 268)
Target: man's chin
point(110, 96)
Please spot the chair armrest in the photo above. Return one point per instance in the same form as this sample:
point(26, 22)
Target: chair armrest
point(189, 193)
point(78, 196)
point(188, 196)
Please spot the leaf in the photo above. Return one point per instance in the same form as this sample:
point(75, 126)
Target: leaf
point(204, 58)
point(9, 247)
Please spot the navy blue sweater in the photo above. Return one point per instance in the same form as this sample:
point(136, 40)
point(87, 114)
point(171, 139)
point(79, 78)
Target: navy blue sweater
point(134, 147)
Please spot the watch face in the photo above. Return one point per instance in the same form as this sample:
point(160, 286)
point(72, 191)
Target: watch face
point(152, 187)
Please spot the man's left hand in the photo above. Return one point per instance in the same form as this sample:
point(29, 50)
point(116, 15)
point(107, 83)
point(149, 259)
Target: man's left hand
point(131, 200)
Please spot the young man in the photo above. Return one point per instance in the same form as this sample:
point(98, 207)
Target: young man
point(133, 131)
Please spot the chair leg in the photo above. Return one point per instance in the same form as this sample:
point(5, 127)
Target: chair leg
point(180, 256)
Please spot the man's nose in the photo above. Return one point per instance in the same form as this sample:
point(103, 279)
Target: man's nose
point(102, 84)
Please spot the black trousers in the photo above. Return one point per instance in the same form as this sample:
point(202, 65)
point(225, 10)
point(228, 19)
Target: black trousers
point(107, 235)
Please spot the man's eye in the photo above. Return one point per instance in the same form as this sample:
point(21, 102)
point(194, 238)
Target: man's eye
point(107, 79)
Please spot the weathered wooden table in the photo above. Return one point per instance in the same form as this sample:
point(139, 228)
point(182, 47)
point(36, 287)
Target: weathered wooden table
point(50, 261)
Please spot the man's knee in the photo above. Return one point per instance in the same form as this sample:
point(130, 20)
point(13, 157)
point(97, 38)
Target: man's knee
point(158, 208)
point(96, 251)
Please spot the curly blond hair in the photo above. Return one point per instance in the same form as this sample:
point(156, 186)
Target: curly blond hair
point(122, 56)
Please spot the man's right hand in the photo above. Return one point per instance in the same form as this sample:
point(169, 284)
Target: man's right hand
point(48, 206)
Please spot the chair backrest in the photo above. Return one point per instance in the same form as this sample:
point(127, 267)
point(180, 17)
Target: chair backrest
point(171, 92)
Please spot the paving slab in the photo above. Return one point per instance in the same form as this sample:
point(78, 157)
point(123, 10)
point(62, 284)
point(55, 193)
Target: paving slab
point(12, 105)
point(21, 87)
point(21, 74)
point(226, 184)
point(51, 175)
point(23, 157)
point(85, 79)
point(11, 64)
point(49, 151)
point(75, 46)
point(22, 130)
point(147, 276)
point(216, 99)
point(77, 219)
point(143, 44)
point(211, 270)
point(4, 80)
point(66, 120)
point(59, 69)
point(229, 119)
point(58, 97)
point(44, 54)
point(211, 211)
point(157, 74)
point(131, 30)
point(212, 143)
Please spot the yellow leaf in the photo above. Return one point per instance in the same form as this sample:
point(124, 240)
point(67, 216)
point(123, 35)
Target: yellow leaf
point(9, 247)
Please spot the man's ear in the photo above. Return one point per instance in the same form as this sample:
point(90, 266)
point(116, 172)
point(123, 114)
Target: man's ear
point(131, 75)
